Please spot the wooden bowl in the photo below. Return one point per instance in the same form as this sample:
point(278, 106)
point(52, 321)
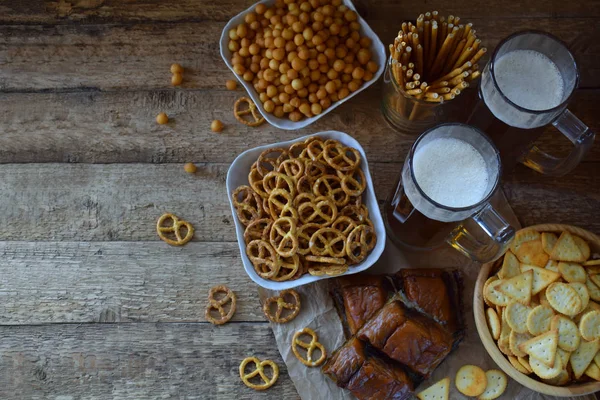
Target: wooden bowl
point(490, 345)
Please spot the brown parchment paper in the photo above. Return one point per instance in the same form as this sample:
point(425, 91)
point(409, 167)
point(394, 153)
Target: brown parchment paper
point(318, 313)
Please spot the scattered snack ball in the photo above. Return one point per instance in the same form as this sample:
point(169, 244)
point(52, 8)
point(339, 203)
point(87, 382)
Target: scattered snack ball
point(220, 305)
point(496, 385)
point(190, 168)
point(259, 370)
point(287, 303)
point(176, 69)
point(545, 294)
point(301, 57)
point(176, 79)
point(216, 126)
point(438, 391)
point(309, 347)
point(162, 118)
point(231, 84)
point(471, 380)
point(173, 230)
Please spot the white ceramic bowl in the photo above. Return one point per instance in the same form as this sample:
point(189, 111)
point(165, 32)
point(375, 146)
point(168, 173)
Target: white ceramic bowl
point(377, 49)
point(238, 175)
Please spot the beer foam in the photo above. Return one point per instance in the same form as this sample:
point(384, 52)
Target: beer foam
point(451, 172)
point(529, 79)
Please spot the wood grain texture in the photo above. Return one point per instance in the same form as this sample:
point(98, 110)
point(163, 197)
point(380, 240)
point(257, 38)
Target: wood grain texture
point(111, 11)
point(135, 361)
point(122, 202)
point(120, 127)
point(125, 57)
point(79, 282)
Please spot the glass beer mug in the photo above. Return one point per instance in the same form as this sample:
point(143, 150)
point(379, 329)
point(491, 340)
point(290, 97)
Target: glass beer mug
point(459, 166)
point(527, 85)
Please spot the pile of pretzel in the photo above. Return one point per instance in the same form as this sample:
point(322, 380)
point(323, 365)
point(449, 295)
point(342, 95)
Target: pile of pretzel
point(303, 211)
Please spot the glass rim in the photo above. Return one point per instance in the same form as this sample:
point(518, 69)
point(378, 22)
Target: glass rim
point(558, 42)
point(486, 198)
point(401, 90)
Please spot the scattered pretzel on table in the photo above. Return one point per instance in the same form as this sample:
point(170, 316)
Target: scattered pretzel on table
point(282, 304)
point(260, 370)
point(238, 113)
point(219, 305)
point(174, 228)
point(310, 347)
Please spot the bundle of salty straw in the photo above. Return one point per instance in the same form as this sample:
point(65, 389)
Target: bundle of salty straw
point(436, 59)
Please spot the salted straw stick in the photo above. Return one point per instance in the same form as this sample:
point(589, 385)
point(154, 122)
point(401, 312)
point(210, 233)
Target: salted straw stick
point(435, 57)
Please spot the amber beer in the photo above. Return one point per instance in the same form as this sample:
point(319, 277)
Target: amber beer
point(526, 86)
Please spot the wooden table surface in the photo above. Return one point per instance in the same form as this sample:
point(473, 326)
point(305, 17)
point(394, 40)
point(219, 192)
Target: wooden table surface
point(92, 304)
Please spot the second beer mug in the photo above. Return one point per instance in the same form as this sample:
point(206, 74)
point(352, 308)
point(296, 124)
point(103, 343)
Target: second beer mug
point(449, 176)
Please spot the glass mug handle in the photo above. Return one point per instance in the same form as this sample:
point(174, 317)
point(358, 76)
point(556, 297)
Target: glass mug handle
point(577, 132)
point(499, 232)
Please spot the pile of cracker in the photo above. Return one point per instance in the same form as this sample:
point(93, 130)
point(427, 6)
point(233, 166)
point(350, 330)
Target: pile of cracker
point(542, 308)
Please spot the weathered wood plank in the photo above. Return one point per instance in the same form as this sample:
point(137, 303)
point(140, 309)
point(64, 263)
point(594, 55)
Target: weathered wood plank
point(120, 127)
point(111, 11)
point(135, 361)
point(82, 282)
point(121, 202)
point(118, 57)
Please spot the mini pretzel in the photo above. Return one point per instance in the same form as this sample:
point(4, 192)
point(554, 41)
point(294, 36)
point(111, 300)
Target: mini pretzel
point(283, 236)
point(260, 370)
point(256, 182)
point(340, 157)
point(355, 213)
point(292, 264)
point(314, 169)
point(326, 269)
point(264, 258)
point(330, 185)
point(309, 347)
point(258, 229)
point(214, 304)
point(360, 241)
point(303, 198)
point(325, 260)
point(328, 242)
point(322, 211)
point(270, 159)
point(353, 183)
point(282, 304)
point(238, 113)
point(344, 224)
point(298, 150)
point(175, 228)
point(276, 180)
point(304, 185)
point(305, 232)
point(293, 168)
point(249, 208)
point(280, 204)
point(314, 149)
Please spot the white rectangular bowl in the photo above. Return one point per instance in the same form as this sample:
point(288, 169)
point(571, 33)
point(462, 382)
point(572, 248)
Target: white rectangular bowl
point(238, 175)
point(377, 48)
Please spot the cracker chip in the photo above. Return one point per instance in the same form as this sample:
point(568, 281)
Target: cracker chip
point(516, 316)
point(542, 347)
point(584, 247)
point(561, 379)
point(595, 278)
point(566, 249)
point(542, 277)
point(589, 326)
point(552, 265)
point(564, 356)
point(583, 356)
point(510, 266)
point(572, 272)
point(583, 293)
point(470, 380)
point(543, 371)
point(563, 298)
point(532, 253)
point(503, 342)
point(592, 306)
point(515, 339)
point(590, 263)
point(495, 297)
point(525, 363)
point(438, 391)
point(539, 319)
point(496, 385)
point(523, 236)
point(593, 371)
point(518, 366)
point(493, 322)
point(568, 333)
point(548, 241)
point(518, 287)
point(593, 289)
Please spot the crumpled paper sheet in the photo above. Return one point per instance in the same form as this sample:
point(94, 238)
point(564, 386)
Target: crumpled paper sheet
point(318, 312)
